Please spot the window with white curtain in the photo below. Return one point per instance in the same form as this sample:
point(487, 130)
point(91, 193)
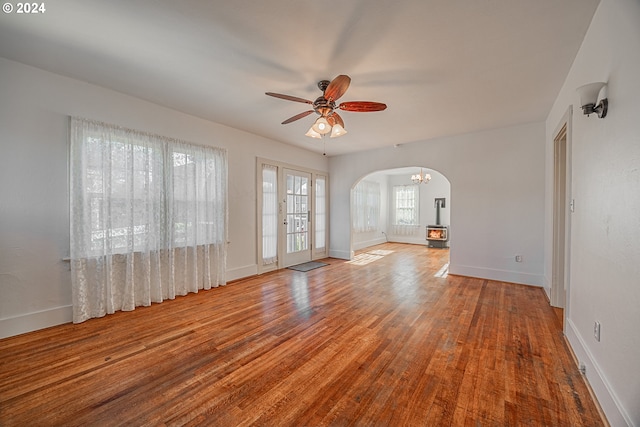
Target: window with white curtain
point(148, 218)
point(405, 199)
point(269, 214)
point(366, 206)
point(321, 212)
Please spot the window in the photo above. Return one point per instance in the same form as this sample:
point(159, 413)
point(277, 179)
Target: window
point(405, 198)
point(366, 206)
point(138, 195)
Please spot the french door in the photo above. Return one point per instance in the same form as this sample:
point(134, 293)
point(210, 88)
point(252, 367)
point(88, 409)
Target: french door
point(292, 215)
point(297, 218)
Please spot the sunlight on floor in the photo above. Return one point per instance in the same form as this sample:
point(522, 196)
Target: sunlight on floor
point(381, 252)
point(364, 259)
point(443, 272)
point(369, 257)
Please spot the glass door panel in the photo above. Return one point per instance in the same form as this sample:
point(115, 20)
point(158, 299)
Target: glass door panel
point(297, 217)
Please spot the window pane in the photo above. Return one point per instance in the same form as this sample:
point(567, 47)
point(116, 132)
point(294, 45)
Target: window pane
point(269, 214)
point(406, 205)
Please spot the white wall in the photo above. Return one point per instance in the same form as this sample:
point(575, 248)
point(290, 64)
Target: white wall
point(604, 267)
point(35, 290)
point(497, 185)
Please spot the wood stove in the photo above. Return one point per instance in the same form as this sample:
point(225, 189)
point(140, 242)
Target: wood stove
point(437, 234)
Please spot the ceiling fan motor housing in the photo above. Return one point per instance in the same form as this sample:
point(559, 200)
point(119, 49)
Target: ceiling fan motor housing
point(323, 106)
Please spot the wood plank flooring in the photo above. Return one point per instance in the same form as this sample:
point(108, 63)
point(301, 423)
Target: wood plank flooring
point(386, 340)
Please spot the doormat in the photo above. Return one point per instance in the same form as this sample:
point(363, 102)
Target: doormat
point(307, 266)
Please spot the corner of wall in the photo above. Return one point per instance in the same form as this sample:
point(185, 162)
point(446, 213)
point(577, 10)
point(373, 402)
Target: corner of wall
point(242, 272)
point(496, 274)
point(367, 243)
point(546, 285)
point(333, 253)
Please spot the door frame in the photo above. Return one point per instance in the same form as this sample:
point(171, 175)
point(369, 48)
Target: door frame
point(562, 208)
point(316, 253)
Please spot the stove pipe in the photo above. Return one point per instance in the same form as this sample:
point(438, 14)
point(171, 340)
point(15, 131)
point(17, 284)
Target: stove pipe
point(439, 203)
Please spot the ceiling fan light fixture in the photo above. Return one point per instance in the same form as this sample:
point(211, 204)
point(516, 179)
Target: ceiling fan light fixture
point(321, 126)
point(312, 133)
point(337, 131)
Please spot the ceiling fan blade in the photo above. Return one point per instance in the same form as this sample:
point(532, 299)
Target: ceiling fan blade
point(337, 87)
point(297, 117)
point(362, 106)
point(289, 97)
point(334, 118)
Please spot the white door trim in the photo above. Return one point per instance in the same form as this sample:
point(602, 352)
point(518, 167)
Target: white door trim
point(562, 208)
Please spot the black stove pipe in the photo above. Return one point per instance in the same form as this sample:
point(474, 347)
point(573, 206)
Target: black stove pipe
point(439, 202)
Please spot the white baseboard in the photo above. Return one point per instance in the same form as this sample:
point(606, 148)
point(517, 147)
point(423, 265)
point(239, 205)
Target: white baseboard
point(368, 243)
point(340, 254)
point(241, 272)
point(607, 399)
point(60, 315)
point(498, 275)
point(414, 240)
point(33, 321)
point(547, 287)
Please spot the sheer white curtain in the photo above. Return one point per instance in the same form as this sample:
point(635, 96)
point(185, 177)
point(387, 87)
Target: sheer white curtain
point(148, 218)
point(321, 212)
point(406, 220)
point(366, 206)
point(269, 214)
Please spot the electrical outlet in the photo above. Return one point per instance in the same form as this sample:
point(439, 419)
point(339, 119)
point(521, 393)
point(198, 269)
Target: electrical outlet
point(596, 331)
point(518, 258)
point(583, 368)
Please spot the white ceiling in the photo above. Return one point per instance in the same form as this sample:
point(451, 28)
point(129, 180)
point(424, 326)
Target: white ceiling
point(443, 67)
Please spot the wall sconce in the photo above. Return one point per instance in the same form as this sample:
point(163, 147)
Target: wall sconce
point(589, 98)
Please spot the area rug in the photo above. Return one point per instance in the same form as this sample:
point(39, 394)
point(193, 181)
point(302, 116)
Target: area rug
point(307, 266)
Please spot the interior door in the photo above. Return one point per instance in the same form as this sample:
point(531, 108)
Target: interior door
point(297, 218)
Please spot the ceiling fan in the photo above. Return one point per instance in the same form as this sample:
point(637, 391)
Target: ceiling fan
point(325, 106)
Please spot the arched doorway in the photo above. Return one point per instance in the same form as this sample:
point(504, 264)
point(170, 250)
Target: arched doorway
point(387, 206)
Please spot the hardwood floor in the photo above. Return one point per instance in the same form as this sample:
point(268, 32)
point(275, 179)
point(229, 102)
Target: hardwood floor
point(386, 340)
